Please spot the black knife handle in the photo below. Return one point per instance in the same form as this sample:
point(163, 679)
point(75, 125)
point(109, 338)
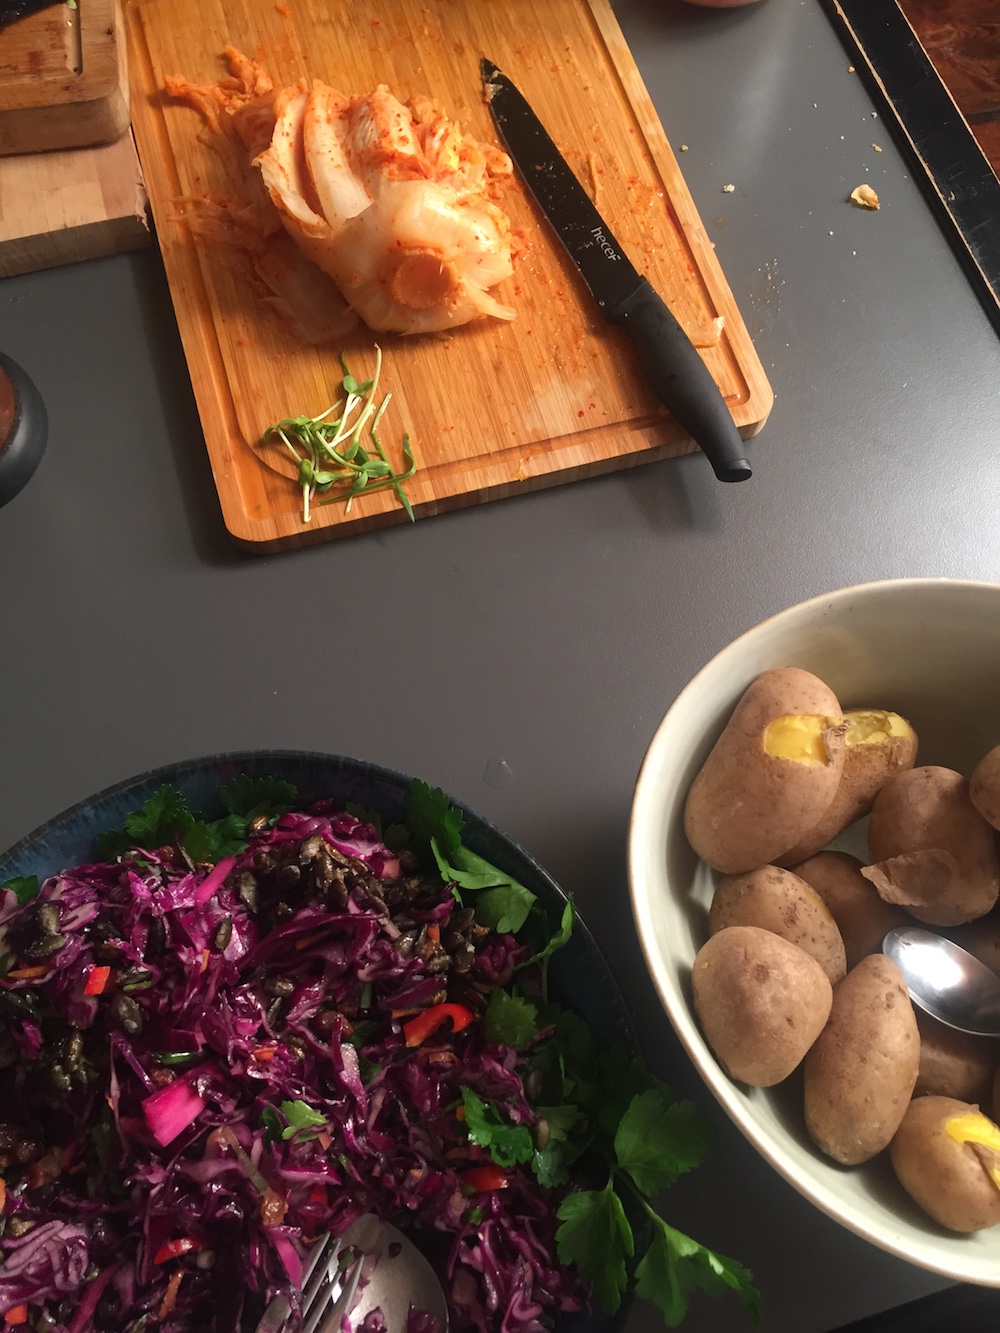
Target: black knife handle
point(681, 380)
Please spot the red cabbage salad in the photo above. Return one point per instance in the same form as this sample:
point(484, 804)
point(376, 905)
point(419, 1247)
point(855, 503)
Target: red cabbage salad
point(224, 1038)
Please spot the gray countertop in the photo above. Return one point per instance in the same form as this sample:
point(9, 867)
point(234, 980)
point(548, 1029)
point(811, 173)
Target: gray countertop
point(520, 654)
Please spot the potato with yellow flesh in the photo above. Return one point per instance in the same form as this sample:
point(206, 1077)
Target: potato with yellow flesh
point(770, 775)
point(761, 1002)
point(954, 1064)
point(946, 1155)
point(984, 787)
point(861, 1070)
point(932, 851)
point(862, 918)
point(876, 745)
point(779, 901)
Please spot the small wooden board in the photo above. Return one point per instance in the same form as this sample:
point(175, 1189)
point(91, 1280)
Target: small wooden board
point(63, 81)
point(82, 203)
point(493, 409)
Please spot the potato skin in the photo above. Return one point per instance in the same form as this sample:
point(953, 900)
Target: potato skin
point(954, 1064)
point(746, 807)
point(761, 1002)
point(777, 900)
point(867, 767)
point(862, 918)
point(984, 787)
point(860, 1072)
point(933, 852)
point(946, 1178)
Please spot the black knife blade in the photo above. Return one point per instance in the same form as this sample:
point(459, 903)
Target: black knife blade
point(669, 360)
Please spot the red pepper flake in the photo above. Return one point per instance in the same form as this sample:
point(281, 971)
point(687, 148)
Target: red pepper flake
point(97, 980)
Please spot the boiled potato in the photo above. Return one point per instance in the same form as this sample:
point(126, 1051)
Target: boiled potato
point(984, 787)
point(861, 916)
point(777, 900)
point(771, 774)
point(954, 1064)
point(860, 1072)
point(761, 1002)
point(946, 1155)
point(876, 745)
point(933, 852)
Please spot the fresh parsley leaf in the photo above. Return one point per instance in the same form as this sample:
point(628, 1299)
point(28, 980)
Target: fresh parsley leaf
point(160, 820)
point(301, 1117)
point(560, 936)
point(659, 1139)
point(510, 1019)
point(23, 887)
point(163, 819)
point(594, 1234)
point(551, 1164)
point(504, 908)
point(489, 1128)
point(251, 797)
point(431, 817)
point(273, 1127)
point(210, 842)
point(675, 1265)
point(621, 1077)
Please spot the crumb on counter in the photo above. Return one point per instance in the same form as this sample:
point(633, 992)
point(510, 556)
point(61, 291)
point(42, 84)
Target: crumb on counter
point(864, 197)
point(729, 189)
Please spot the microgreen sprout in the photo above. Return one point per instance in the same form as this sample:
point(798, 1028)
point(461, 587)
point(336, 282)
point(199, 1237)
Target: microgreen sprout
point(329, 452)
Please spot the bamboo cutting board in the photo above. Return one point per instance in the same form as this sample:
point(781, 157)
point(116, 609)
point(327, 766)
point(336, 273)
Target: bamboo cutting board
point(492, 409)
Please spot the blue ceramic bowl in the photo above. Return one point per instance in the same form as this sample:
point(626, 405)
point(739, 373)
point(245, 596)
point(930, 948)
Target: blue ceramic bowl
point(578, 975)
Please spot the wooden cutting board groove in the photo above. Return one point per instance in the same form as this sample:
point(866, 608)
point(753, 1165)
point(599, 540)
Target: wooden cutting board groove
point(493, 409)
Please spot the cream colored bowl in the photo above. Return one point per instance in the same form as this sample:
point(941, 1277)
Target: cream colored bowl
point(926, 648)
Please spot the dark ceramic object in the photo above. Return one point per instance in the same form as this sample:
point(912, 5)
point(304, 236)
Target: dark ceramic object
point(23, 429)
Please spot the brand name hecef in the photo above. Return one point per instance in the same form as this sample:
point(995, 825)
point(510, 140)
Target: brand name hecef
point(604, 243)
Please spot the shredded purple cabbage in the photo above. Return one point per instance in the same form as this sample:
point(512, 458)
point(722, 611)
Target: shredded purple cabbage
point(153, 1178)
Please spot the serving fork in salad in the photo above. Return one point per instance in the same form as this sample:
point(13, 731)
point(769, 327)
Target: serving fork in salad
point(394, 1277)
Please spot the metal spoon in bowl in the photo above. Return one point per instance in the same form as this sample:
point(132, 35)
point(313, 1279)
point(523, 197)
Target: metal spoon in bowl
point(946, 981)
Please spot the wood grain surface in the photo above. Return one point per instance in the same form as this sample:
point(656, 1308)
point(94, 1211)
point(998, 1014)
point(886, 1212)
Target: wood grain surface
point(81, 203)
point(63, 81)
point(492, 409)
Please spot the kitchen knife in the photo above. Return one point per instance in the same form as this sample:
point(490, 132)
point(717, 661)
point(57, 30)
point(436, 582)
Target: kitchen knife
point(670, 362)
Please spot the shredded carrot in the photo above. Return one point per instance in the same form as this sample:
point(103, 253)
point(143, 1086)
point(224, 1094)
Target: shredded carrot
point(170, 1299)
point(18, 1314)
point(459, 1112)
point(265, 1052)
point(434, 933)
point(28, 974)
point(405, 1013)
point(304, 941)
point(3, 1193)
